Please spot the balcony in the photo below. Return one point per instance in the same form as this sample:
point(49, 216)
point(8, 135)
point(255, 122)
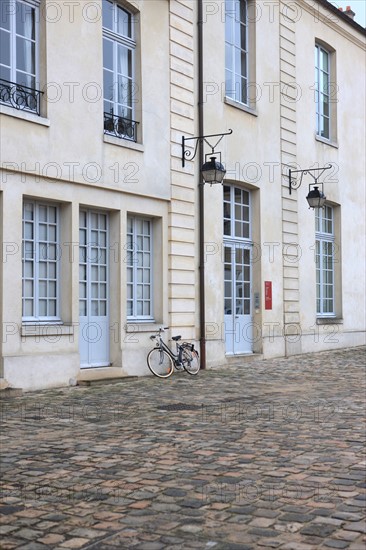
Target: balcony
point(20, 97)
point(123, 128)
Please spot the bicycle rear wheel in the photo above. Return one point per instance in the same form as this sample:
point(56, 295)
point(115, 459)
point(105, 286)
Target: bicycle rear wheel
point(190, 360)
point(160, 363)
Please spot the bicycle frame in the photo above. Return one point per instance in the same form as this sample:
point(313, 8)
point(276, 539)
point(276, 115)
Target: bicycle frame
point(160, 344)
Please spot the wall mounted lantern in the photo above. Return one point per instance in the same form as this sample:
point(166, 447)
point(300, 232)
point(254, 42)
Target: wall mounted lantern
point(315, 197)
point(212, 170)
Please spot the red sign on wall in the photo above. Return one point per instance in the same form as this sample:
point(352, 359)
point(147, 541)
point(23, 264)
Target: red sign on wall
point(268, 294)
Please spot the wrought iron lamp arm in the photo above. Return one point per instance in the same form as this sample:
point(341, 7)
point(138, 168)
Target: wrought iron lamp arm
point(296, 184)
point(188, 154)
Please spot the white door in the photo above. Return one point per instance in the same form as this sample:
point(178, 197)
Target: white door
point(238, 304)
point(93, 289)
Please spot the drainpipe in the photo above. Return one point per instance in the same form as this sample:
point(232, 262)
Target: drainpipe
point(201, 196)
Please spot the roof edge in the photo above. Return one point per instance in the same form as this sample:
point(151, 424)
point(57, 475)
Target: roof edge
point(327, 5)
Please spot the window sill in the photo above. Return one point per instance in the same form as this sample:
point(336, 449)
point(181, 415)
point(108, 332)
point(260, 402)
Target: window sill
point(240, 106)
point(35, 329)
point(329, 321)
point(123, 143)
point(24, 115)
point(327, 141)
point(142, 326)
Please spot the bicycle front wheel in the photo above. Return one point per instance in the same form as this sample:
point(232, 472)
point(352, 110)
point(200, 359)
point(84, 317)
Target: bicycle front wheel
point(160, 363)
point(191, 361)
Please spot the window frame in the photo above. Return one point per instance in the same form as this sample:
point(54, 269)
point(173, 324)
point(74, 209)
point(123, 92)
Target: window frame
point(36, 318)
point(323, 239)
point(130, 44)
point(132, 251)
point(236, 23)
point(319, 105)
point(13, 100)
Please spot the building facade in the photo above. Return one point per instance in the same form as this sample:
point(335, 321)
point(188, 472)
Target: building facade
point(100, 219)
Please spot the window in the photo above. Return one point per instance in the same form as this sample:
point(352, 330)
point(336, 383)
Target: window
point(237, 50)
point(236, 212)
point(324, 261)
point(322, 91)
point(139, 268)
point(40, 262)
point(118, 70)
point(18, 54)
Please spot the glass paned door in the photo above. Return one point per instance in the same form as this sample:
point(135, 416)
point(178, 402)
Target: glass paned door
point(238, 314)
point(93, 289)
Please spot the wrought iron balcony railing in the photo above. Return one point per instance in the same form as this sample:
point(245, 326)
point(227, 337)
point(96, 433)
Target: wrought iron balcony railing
point(20, 97)
point(120, 127)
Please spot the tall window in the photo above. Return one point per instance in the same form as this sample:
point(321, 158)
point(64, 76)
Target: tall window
point(236, 50)
point(40, 262)
point(18, 54)
point(118, 70)
point(139, 268)
point(324, 259)
point(322, 91)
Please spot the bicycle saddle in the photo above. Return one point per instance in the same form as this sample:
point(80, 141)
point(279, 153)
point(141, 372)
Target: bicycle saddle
point(176, 337)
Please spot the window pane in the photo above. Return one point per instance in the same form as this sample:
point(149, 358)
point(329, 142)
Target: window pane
point(5, 48)
point(25, 56)
point(108, 54)
point(28, 289)
point(229, 28)
point(82, 308)
point(107, 14)
point(4, 75)
point(324, 61)
point(51, 289)
point(108, 85)
point(325, 127)
point(124, 65)
point(4, 15)
point(28, 308)
point(229, 84)
point(243, 43)
point(124, 26)
point(42, 307)
point(25, 20)
point(42, 270)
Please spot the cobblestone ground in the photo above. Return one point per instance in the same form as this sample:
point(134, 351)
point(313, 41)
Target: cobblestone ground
point(266, 455)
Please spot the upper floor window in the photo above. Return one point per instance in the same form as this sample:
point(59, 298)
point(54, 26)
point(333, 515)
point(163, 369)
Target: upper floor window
point(323, 91)
point(118, 70)
point(324, 261)
point(18, 54)
point(237, 50)
point(40, 262)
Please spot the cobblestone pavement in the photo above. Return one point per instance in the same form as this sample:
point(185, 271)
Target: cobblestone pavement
point(266, 455)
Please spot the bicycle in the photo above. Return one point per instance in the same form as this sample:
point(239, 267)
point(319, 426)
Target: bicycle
point(161, 360)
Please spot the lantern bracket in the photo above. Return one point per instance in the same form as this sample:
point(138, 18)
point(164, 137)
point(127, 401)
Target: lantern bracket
point(190, 155)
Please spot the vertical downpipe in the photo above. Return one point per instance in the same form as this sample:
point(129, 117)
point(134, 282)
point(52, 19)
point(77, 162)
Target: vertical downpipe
point(201, 194)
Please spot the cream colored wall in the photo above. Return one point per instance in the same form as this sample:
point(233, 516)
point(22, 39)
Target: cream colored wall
point(283, 133)
point(251, 157)
point(67, 149)
point(344, 185)
point(77, 165)
point(75, 134)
